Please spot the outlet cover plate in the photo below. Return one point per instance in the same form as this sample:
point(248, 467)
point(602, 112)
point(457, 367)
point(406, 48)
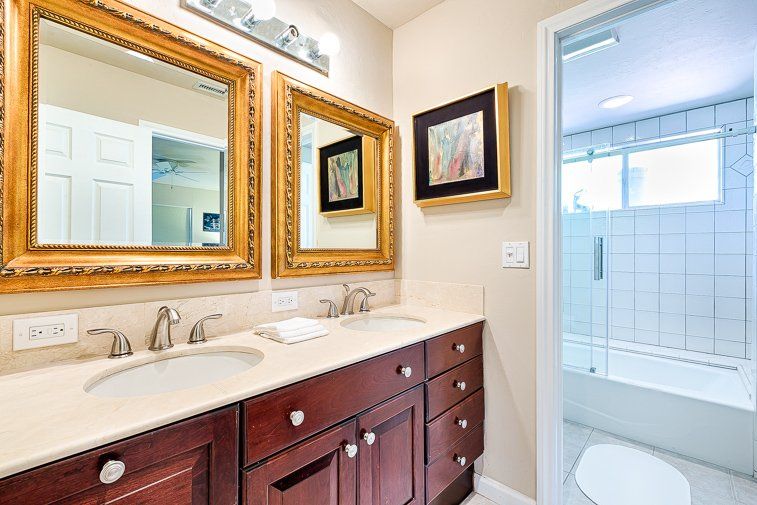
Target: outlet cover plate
point(45, 331)
point(515, 255)
point(284, 300)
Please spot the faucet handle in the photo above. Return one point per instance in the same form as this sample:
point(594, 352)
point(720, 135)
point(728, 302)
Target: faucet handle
point(121, 346)
point(364, 303)
point(197, 335)
point(333, 311)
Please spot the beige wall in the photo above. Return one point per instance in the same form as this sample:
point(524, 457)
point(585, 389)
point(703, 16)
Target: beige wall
point(458, 47)
point(114, 93)
point(361, 73)
point(198, 199)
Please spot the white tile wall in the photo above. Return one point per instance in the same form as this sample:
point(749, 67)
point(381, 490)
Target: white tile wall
point(679, 276)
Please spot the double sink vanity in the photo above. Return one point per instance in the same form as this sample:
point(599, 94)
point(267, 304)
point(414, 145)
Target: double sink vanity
point(388, 408)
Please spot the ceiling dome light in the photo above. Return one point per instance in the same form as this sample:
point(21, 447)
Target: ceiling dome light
point(615, 101)
point(329, 44)
point(263, 9)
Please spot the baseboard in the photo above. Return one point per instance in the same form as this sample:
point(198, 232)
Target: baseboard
point(498, 492)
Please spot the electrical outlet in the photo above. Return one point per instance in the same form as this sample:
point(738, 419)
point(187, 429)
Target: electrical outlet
point(283, 300)
point(45, 331)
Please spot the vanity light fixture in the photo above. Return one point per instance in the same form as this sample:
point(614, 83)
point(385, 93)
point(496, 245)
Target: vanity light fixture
point(255, 19)
point(615, 101)
point(590, 45)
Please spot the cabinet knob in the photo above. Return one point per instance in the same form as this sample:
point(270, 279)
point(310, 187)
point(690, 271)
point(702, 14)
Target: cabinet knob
point(463, 423)
point(406, 371)
point(460, 459)
point(351, 450)
point(460, 385)
point(459, 348)
point(297, 417)
point(111, 471)
point(369, 437)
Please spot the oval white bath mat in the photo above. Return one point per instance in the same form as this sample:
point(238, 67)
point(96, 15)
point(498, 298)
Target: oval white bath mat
point(617, 475)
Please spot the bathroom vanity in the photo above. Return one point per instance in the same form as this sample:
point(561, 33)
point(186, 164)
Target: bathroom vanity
point(402, 427)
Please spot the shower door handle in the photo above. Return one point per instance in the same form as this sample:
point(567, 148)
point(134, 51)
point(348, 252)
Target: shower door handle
point(599, 271)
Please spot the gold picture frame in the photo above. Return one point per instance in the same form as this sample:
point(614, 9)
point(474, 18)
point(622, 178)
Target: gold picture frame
point(25, 264)
point(492, 103)
point(368, 187)
point(290, 98)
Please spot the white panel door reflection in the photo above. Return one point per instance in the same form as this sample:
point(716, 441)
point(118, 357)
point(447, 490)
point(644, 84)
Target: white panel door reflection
point(91, 187)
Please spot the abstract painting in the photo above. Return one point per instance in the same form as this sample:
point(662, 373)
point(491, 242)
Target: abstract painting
point(462, 150)
point(343, 177)
point(456, 150)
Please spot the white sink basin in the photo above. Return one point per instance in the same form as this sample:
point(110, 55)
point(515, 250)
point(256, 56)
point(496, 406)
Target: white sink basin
point(383, 323)
point(174, 373)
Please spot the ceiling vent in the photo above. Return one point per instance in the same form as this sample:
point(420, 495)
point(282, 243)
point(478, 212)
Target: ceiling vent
point(217, 90)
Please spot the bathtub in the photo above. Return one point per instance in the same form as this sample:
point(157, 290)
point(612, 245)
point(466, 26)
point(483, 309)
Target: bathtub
point(697, 410)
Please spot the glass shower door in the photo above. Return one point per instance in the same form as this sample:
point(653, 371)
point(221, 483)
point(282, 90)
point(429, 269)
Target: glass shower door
point(585, 266)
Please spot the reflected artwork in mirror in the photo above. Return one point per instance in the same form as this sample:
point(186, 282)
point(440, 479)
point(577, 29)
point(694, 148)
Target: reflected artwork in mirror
point(336, 186)
point(332, 185)
point(132, 150)
point(136, 160)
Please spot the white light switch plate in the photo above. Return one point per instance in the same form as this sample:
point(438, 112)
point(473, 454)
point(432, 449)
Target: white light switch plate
point(45, 331)
point(516, 255)
point(284, 300)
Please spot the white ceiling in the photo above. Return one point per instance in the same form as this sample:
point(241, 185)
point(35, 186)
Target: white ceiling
point(682, 55)
point(394, 13)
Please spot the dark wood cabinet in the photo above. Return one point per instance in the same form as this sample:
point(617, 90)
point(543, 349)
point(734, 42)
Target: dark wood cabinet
point(390, 465)
point(192, 462)
point(319, 471)
point(396, 429)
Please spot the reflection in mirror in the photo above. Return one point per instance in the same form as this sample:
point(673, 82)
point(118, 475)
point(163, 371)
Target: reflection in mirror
point(132, 150)
point(337, 186)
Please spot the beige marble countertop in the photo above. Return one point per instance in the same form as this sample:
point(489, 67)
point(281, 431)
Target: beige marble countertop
point(46, 415)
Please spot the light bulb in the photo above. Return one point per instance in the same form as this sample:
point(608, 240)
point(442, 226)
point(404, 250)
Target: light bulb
point(263, 9)
point(329, 44)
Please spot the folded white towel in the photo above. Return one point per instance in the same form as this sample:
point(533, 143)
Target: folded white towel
point(293, 324)
point(284, 335)
point(292, 340)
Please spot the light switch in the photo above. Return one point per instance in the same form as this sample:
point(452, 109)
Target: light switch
point(515, 255)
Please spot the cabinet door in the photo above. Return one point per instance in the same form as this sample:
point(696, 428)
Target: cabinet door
point(319, 470)
point(390, 466)
point(192, 462)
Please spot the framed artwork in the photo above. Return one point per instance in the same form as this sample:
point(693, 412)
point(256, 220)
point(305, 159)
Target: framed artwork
point(345, 184)
point(211, 221)
point(462, 150)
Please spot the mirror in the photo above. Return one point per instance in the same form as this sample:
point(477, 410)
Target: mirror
point(337, 181)
point(332, 190)
point(132, 150)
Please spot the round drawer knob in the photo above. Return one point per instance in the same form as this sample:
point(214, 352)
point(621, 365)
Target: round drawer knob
point(369, 437)
point(406, 371)
point(460, 348)
point(111, 471)
point(297, 417)
point(351, 450)
point(463, 423)
point(460, 459)
point(460, 385)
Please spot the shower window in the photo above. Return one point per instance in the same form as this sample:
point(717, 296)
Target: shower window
point(642, 176)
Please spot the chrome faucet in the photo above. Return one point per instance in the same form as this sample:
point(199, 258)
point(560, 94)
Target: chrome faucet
point(348, 308)
point(160, 337)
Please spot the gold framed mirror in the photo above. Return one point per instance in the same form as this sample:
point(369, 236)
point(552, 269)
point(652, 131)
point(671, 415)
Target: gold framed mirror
point(131, 150)
point(332, 184)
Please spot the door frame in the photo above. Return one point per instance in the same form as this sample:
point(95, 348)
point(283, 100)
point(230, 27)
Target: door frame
point(586, 16)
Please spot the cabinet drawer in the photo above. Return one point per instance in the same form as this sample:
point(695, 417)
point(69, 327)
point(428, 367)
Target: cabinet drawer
point(447, 390)
point(445, 470)
point(194, 461)
point(448, 428)
point(451, 349)
point(325, 400)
